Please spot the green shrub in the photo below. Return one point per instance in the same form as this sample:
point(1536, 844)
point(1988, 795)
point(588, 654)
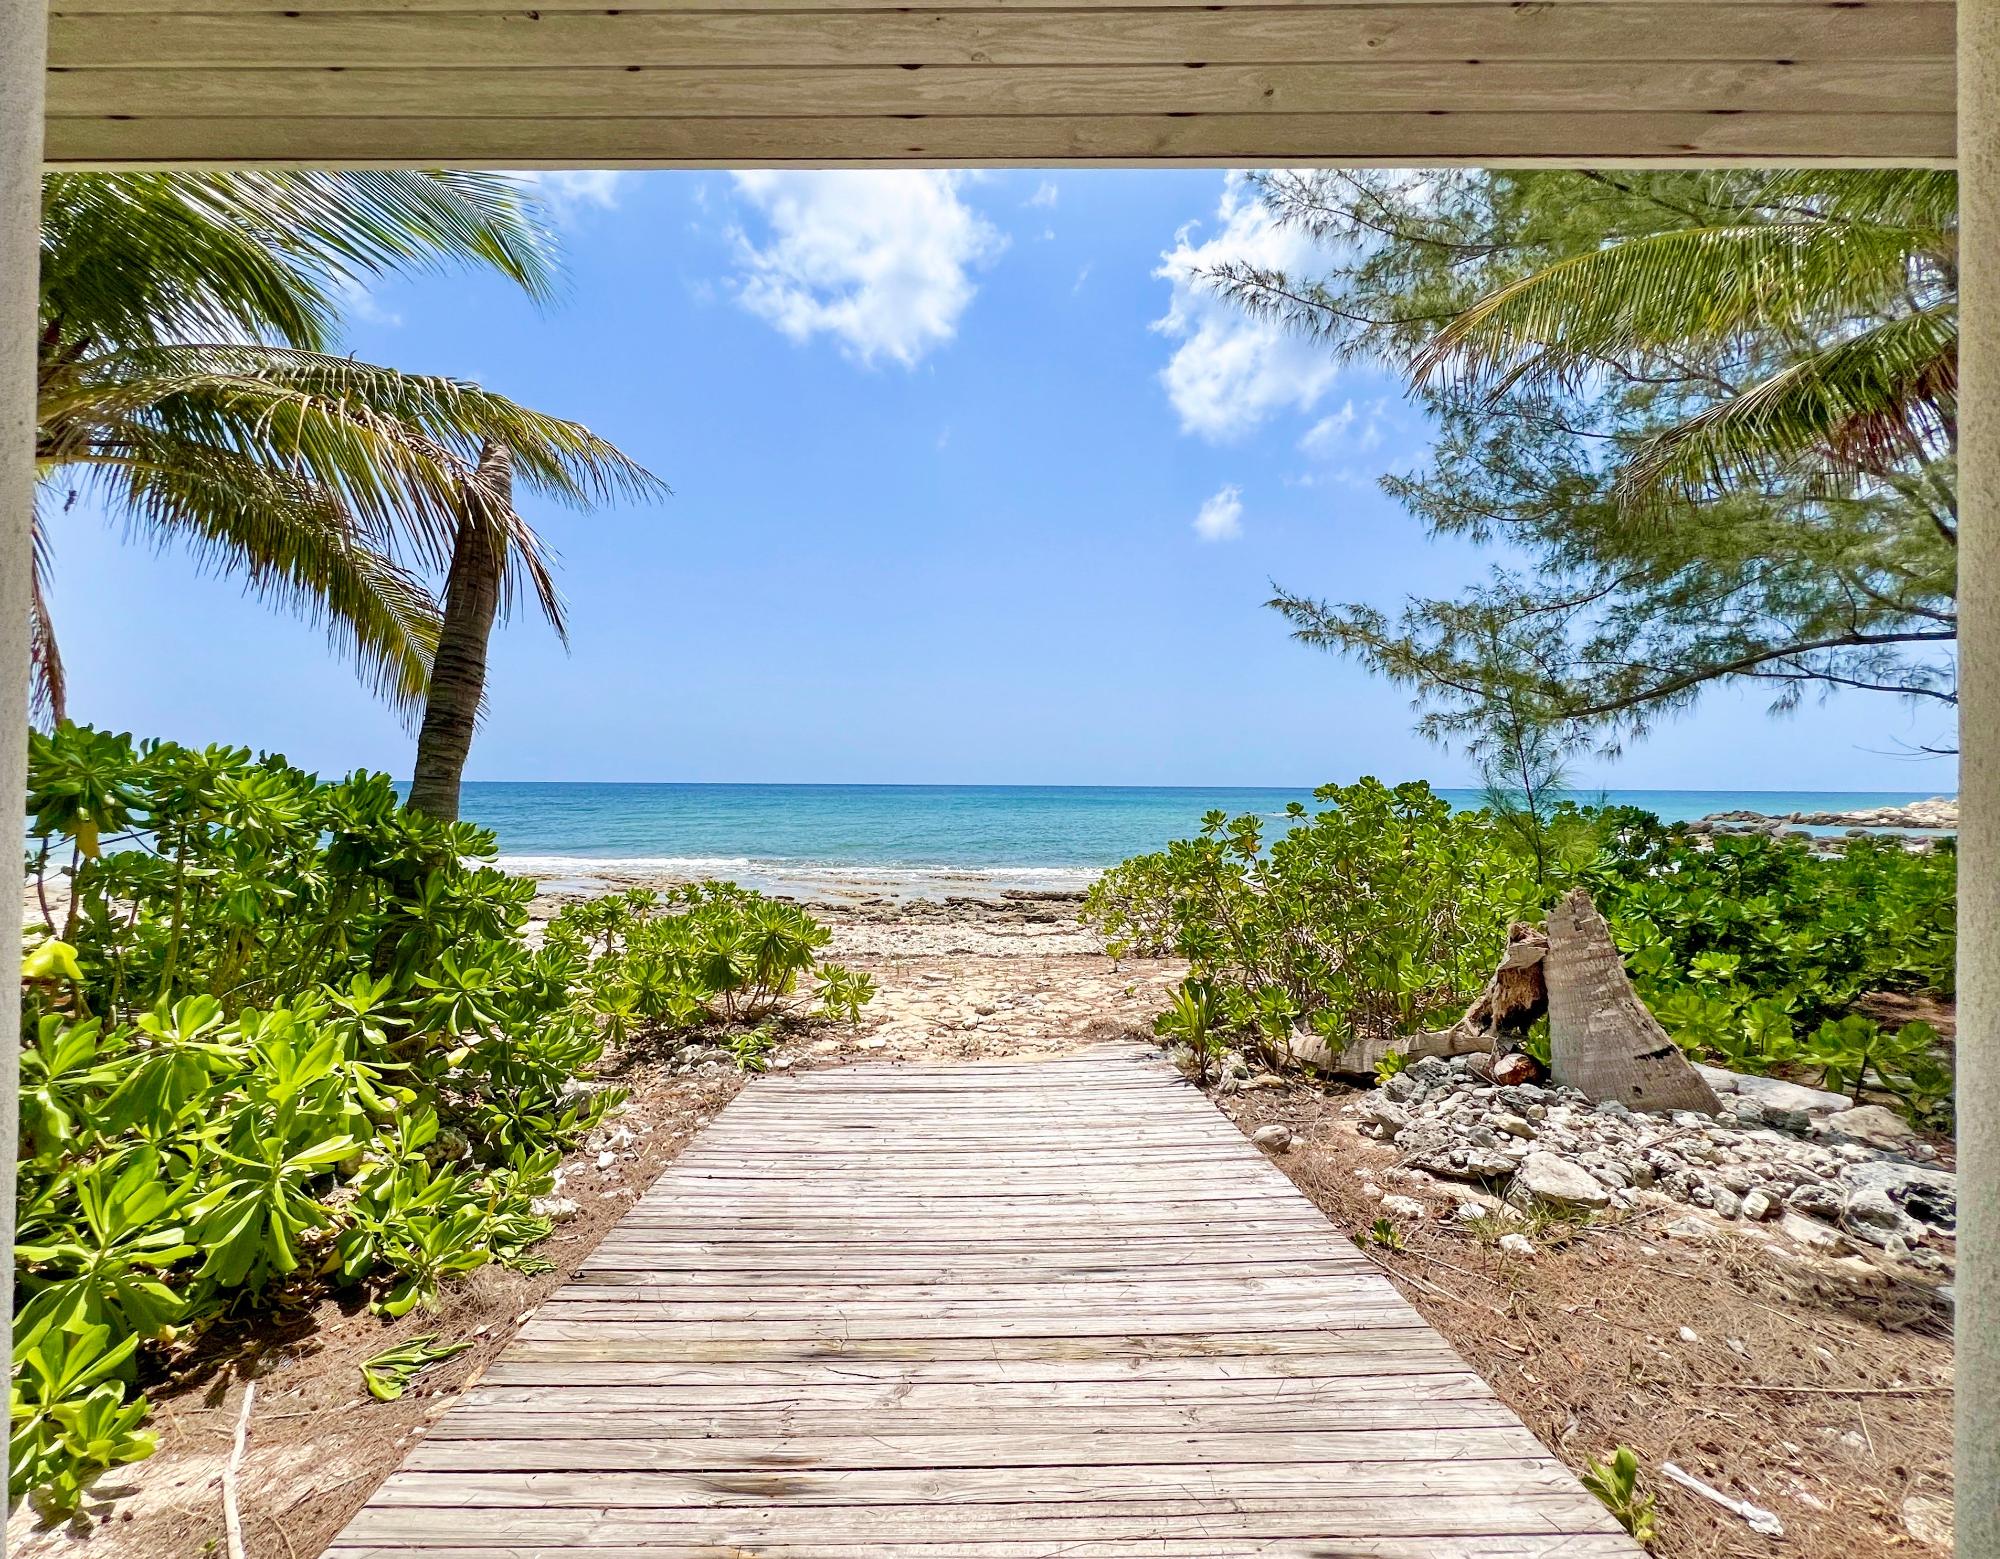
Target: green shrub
point(1376, 915)
point(286, 1036)
point(1380, 914)
point(1752, 951)
point(705, 955)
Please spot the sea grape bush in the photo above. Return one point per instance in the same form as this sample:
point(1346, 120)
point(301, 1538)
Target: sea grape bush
point(1753, 950)
point(705, 955)
point(279, 1035)
point(1382, 912)
point(1375, 915)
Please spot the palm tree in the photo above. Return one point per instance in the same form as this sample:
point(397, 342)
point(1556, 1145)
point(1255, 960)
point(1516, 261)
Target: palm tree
point(186, 375)
point(472, 595)
point(1842, 291)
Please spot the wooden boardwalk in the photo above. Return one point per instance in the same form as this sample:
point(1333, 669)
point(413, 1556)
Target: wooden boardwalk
point(998, 1311)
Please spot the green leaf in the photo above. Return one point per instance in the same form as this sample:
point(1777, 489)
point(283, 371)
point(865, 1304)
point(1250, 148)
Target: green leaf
point(390, 1373)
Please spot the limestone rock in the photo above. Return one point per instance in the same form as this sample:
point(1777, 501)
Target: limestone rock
point(1545, 1177)
point(1386, 1117)
point(1926, 1196)
point(1275, 1137)
point(1774, 1093)
point(1871, 1123)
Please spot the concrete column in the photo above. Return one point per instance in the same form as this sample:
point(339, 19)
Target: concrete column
point(23, 42)
point(1978, 1451)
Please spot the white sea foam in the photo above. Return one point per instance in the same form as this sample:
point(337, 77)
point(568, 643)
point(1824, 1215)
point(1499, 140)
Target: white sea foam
point(802, 879)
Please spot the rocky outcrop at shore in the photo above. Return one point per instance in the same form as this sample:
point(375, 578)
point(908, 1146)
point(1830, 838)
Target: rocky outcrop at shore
point(1831, 1174)
point(1940, 812)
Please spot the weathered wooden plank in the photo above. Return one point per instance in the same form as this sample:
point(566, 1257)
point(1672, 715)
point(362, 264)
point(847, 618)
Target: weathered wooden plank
point(824, 1391)
point(555, 1415)
point(1414, 1355)
point(1846, 87)
point(596, 1285)
point(665, 1346)
point(1437, 1514)
point(1594, 29)
point(845, 1496)
point(1475, 1546)
point(883, 1358)
point(1144, 1458)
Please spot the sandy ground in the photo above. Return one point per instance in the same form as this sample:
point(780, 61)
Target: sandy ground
point(1819, 1391)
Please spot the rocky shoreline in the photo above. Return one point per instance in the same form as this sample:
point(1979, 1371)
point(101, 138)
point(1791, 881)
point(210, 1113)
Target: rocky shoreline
point(1937, 815)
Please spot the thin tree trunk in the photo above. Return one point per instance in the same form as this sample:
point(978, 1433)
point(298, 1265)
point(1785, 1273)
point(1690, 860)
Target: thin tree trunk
point(458, 674)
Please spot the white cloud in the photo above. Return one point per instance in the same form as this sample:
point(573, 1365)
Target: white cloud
point(1221, 517)
point(881, 261)
point(567, 192)
point(1350, 430)
point(1046, 195)
point(1231, 370)
point(357, 295)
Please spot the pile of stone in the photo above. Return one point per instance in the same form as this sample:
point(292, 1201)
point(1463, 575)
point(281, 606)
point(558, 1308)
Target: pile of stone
point(1779, 1153)
point(1939, 814)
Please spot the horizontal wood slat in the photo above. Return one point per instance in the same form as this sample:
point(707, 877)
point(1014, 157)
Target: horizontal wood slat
point(749, 1367)
point(137, 138)
point(1032, 92)
point(742, 83)
point(1384, 33)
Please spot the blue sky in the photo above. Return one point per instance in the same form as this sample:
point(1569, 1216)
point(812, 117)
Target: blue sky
point(968, 487)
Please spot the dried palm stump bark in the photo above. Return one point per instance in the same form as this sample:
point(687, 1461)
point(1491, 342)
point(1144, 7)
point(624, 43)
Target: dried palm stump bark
point(1602, 1040)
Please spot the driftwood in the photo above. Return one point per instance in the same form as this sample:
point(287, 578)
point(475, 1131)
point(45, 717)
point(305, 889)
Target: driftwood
point(1506, 1009)
point(1516, 996)
point(1602, 1040)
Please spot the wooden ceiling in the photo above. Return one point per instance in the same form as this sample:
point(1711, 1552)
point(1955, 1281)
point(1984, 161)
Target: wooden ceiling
point(737, 83)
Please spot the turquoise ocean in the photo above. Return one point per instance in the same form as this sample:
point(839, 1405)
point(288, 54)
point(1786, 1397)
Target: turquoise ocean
point(925, 839)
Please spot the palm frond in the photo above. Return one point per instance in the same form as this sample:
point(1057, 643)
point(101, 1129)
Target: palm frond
point(366, 221)
point(1914, 200)
point(1857, 406)
point(134, 259)
point(48, 687)
point(394, 451)
point(1687, 288)
point(290, 541)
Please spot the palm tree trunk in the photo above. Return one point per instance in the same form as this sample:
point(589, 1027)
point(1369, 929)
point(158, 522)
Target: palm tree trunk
point(458, 674)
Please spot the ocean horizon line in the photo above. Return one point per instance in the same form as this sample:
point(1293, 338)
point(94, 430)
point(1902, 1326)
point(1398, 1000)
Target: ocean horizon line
point(1918, 793)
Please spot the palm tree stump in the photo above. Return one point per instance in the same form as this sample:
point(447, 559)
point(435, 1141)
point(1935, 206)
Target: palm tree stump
point(1602, 1040)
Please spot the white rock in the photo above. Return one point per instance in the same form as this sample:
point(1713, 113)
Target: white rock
point(1929, 1521)
point(1276, 1137)
point(1403, 1207)
point(1517, 1245)
point(1872, 1123)
point(1774, 1093)
point(1689, 1334)
point(1547, 1178)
